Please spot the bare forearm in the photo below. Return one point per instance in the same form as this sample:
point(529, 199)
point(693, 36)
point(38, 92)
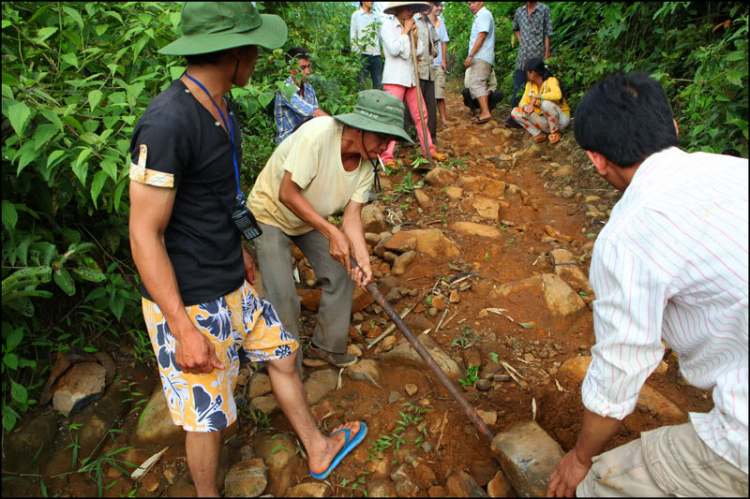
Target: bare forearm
point(594, 435)
point(518, 35)
point(155, 268)
point(351, 226)
point(546, 47)
point(478, 44)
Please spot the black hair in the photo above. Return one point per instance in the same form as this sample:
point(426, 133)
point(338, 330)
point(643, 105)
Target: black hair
point(626, 118)
point(295, 53)
point(537, 65)
point(207, 59)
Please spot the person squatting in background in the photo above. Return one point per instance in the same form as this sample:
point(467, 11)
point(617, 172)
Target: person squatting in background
point(543, 108)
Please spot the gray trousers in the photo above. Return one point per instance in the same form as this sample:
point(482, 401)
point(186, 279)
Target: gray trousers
point(275, 265)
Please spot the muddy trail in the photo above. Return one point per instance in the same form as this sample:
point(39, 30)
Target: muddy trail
point(490, 252)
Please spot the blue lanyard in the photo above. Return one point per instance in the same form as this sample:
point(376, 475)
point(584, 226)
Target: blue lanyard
point(230, 126)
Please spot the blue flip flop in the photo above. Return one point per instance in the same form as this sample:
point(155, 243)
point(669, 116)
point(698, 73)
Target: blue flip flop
point(349, 444)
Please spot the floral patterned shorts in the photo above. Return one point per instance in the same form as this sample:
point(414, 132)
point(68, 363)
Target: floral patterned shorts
point(239, 325)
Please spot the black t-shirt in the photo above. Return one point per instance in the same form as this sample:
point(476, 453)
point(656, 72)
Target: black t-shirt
point(184, 140)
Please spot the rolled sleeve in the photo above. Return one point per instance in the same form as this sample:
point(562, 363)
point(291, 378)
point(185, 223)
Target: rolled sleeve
point(628, 315)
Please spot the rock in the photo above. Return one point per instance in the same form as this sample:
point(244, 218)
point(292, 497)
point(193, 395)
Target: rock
point(362, 299)
point(372, 238)
point(567, 192)
point(435, 244)
point(454, 193)
point(310, 489)
point(483, 470)
point(533, 151)
point(592, 199)
point(182, 488)
point(411, 389)
point(422, 198)
point(483, 385)
point(432, 312)
point(486, 186)
point(393, 296)
point(390, 256)
point(62, 364)
point(155, 423)
point(484, 207)
point(310, 298)
point(265, 404)
point(260, 384)
point(563, 171)
point(489, 417)
point(436, 492)
point(38, 434)
point(401, 242)
point(380, 468)
point(662, 368)
point(575, 368)
point(403, 352)
point(365, 370)
point(418, 323)
point(394, 397)
point(83, 383)
point(373, 219)
point(109, 365)
point(653, 401)
point(380, 488)
point(403, 261)
point(424, 476)
point(314, 362)
point(547, 297)
point(439, 177)
point(354, 350)
point(426, 447)
point(319, 384)
point(474, 229)
point(528, 455)
point(454, 297)
point(404, 486)
point(278, 452)
point(438, 302)
point(472, 358)
point(461, 484)
point(562, 256)
point(170, 473)
point(575, 277)
point(499, 486)
point(246, 479)
point(247, 452)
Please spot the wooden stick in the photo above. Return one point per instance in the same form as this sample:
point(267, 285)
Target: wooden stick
point(392, 327)
point(442, 428)
point(441, 320)
point(451, 318)
point(419, 98)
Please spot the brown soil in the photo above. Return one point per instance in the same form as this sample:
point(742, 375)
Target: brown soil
point(496, 261)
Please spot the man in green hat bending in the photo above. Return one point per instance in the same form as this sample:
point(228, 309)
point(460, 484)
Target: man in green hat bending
point(187, 221)
point(326, 166)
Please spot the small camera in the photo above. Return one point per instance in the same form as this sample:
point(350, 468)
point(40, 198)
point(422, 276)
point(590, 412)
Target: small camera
point(245, 221)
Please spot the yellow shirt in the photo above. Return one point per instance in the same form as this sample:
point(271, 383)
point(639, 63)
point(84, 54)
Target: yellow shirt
point(313, 156)
point(550, 91)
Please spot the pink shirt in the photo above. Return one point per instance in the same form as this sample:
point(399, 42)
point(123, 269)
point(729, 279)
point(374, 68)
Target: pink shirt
point(672, 264)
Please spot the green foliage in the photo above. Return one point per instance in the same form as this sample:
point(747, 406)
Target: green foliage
point(698, 51)
point(472, 375)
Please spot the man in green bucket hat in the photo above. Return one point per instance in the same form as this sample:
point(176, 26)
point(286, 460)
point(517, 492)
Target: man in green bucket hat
point(327, 166)
point(187, 220)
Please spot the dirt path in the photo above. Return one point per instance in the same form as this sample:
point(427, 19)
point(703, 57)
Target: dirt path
point(505, 206)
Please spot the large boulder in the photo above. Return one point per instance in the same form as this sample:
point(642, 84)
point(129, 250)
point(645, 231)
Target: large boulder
point(319, 384)
point(310, 489)
point(401, 242)
point(545, 299)
point(461, 484)
point(432, 242)
point(403, 352)
point(403, 261)
point(373, 219)
point(365, 370)
point(484, 207)
point(528, 456)
point(278, 452)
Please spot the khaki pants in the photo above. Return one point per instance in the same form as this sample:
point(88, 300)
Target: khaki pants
point(669, 461)
point(335, 309)
point(439, 83)
point(479, 82)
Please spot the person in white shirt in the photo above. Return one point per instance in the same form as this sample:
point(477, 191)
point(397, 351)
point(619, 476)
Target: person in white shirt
point(440, 62)
point(481, 57)
point(672, 265)
point(398, 76)
point(364, 30)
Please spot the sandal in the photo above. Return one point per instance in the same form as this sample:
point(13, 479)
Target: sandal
point(481, 122)
point(554, 138)
point(539, 138)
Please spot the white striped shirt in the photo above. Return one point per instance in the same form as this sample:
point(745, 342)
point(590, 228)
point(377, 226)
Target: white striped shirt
point(672, 264)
